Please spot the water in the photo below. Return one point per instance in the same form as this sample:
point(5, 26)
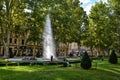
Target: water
point(48, 42)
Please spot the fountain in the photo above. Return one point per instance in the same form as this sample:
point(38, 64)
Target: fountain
point(48, 48)
point(48, 42)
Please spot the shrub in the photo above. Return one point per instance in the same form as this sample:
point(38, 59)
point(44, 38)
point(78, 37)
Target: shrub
point(66, 64)
point(113, 57)
point(85, 61)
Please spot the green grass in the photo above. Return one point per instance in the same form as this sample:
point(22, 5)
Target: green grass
point(101, 70)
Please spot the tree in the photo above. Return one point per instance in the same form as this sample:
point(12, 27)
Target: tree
point(1, 17)
point(13, 21)
point(35, 23)
point(19, 18)
point(98, 34)
point(85, 61)
point(67, 20)
point(66, 16)
point(7, 25)
point(115, 21)
point(113, 57)
point(77, 22)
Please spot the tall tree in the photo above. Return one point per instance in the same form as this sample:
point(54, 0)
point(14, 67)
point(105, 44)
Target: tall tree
point(35, 22)
point(115, 21)
point(19, 18)
point(67, 20)
point(9, 21)
point(99, 32)
point(6, 29)
point(78, 19)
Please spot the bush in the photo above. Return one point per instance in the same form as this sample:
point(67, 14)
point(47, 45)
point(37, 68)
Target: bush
point(66, 64)
point(113, 57)
point(85, 61)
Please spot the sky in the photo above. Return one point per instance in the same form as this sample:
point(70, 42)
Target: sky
point(88, 3)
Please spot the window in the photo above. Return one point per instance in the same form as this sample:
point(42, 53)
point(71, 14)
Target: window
point(15, 41)
point(10, 40)
point(22, 41)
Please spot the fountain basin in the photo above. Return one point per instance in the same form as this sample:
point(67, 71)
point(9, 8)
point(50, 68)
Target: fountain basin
point(42, 60)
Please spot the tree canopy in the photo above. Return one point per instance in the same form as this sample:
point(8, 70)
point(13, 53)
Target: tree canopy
point(70, 23)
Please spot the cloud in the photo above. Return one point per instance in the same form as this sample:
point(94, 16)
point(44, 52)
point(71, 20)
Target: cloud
point(104, 0)
point(84, 1)
point(88, 8)
point(88, 3)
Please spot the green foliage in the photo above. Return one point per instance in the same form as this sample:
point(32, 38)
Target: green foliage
point(115, 21)
point(66, 17)
point(86, 62)
point(66, 64)
point(99, 28)
point(104, 25)
point(113, 57)
point(12, 20)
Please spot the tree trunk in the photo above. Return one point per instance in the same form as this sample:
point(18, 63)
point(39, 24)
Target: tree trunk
point(91, 48)
point(6, 45)
point(6, 51)
point(6, 40)
point(18, 46)
point(67, 44)
point(34, 50)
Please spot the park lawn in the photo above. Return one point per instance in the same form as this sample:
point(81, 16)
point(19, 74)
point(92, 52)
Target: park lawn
point(101, 70)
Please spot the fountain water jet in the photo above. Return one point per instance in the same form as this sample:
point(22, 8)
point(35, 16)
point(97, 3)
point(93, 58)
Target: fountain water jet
point(48, 42)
